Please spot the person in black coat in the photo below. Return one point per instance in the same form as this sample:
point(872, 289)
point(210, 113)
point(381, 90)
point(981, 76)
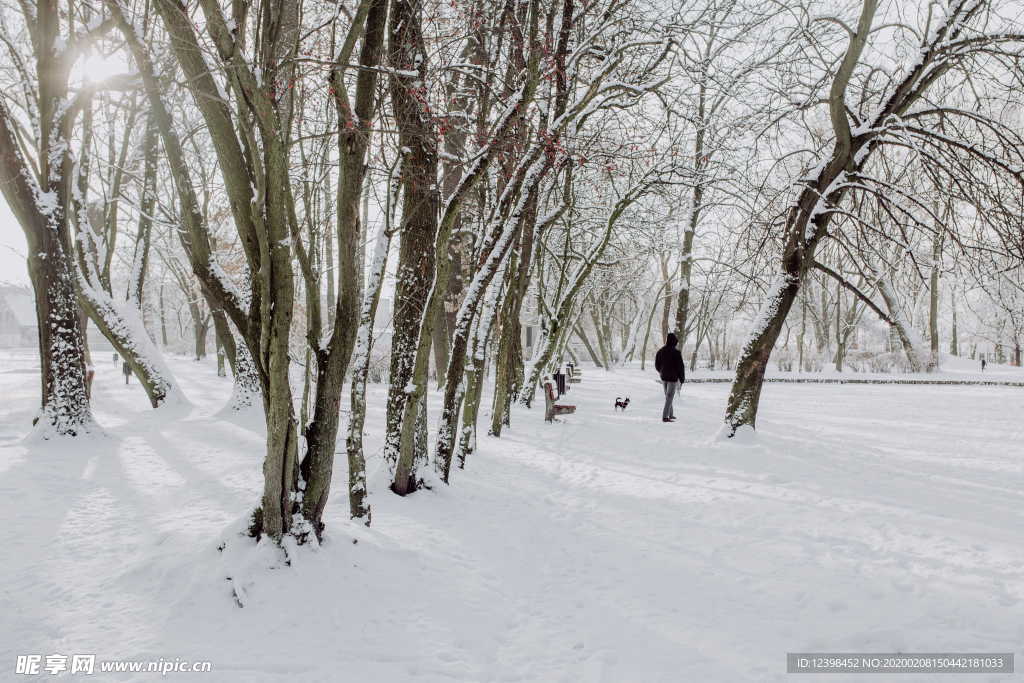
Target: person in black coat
point(669, 364)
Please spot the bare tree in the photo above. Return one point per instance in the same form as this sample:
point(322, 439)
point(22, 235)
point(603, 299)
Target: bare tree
point(885, 117)
point(37, 178)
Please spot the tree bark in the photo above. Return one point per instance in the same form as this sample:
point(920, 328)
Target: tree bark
point(746, 389)
point(163, 317)
point(900, 325)
point(666, 309)
point(355, 128)
point(696, 208)
point(954, 345)
point(41, 203)
point(581, 334)
point(417, 255)
point(358, 508)
point(933, 301)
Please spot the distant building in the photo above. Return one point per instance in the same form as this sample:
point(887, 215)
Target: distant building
point(17, 317)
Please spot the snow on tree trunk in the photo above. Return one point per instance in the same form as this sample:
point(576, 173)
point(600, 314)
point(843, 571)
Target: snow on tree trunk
point(417, 250)
point(470, 389)
point(908, 337)
point(933, 300)
point(333, 357)
point(741, 409)
point(358, 508)
point(43, 215)
point(121, 323)
point(497, 247)
point(65, 400)
point(245, 391)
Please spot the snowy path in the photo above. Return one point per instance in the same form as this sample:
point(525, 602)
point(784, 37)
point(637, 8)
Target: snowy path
point(610, 547)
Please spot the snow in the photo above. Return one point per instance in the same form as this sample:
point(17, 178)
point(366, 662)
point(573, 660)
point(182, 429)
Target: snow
point(772, 301)
point(607, 547)
point(125, 322)
point(953, 369)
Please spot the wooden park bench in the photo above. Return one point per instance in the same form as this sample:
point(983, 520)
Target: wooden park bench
point(575, 374)
point(551, 409)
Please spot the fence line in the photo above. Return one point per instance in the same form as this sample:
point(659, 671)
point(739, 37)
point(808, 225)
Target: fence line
point(842, 380)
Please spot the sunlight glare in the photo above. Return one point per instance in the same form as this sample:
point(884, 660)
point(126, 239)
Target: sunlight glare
point(98, 67)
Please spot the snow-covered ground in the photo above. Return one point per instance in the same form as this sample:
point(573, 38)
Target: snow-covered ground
point(610, 547)
point(951, 368)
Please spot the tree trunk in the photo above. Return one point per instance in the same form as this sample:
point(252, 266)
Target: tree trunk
point(245, 392)
point(261, 202)
point(582, 336)
point(471, 391)
point(417, 256)
point(473, 305)
point(686, 259)
point(147, 203)
point(741, 409)
point(509, 369)
point(65, 401)
point(358, 508)
point(163, 317)
point(933, 302)
point(666, 309)
point(903, 329)
point(355, 129)
point(61, 338)
point(121, 324)
point(502, 369)
point(120, 321)
point(440, 339)
point(803, 332)
point(954, 347)
point(64, 393)
point(519, 192)
point(221, 360)
point(199, 328)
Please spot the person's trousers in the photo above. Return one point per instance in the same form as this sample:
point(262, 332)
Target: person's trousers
point(670, 394)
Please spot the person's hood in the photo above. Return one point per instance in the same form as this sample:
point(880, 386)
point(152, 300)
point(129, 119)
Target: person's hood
point(672, 340)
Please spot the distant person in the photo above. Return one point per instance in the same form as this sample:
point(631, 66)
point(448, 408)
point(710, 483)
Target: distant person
point(983, 364)
point(669, 364)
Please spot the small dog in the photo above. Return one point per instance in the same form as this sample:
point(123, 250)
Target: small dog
point(621, 403)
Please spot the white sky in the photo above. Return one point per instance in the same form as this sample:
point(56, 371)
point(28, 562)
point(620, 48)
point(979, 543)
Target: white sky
point(13, 267)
